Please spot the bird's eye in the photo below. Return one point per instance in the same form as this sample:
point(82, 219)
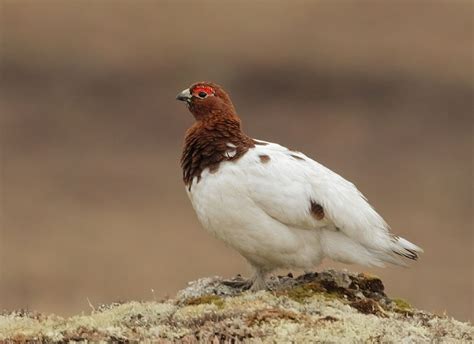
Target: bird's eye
point(202, 91)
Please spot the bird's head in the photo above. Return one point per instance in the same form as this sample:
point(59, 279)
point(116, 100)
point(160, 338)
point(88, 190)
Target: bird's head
point(206, 99)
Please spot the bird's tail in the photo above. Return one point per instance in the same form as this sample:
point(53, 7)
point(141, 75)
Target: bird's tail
point(340, 247)
point(404, 248)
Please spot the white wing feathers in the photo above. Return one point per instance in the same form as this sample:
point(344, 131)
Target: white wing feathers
point(351, 230)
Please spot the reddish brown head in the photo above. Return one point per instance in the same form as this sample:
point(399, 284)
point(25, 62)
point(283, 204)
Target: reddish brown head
point(206, 99)
point(215, 136)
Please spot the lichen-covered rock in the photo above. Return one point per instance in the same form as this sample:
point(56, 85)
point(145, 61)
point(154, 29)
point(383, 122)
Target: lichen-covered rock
point(326, 307)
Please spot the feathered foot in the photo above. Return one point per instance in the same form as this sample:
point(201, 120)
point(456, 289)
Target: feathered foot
point(256, 283)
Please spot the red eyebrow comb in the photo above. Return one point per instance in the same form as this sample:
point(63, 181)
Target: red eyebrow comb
point(207, 89)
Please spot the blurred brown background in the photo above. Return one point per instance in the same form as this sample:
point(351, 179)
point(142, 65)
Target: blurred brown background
point(92, 202)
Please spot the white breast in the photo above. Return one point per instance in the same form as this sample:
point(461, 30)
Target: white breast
point(226, 206)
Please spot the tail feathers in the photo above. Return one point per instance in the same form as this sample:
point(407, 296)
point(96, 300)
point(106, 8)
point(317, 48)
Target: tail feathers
point(398, 249)
point(404, 248)
point(340, 247)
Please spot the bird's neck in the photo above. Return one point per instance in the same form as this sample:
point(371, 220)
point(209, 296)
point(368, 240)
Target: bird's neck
point(211, 141)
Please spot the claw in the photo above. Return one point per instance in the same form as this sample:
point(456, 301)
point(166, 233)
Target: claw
point(238, 283)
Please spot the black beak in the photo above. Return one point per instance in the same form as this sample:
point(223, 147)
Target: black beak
point(184, 96)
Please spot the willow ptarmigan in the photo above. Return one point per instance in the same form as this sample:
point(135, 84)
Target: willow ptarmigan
point(276, 207)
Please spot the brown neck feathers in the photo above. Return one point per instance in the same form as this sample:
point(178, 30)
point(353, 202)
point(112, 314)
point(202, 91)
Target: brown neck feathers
point(211, 141)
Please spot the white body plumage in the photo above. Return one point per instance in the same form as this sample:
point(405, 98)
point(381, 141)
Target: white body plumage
point(260, 205)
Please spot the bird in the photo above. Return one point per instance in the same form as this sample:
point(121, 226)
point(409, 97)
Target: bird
point(277, 207)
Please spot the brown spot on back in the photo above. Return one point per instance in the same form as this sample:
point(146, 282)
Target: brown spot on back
point(296, 157)
point(264, 158)
point(317, 210)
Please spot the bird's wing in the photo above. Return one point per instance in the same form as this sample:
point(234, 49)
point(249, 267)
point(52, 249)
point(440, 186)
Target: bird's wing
point(301, 193)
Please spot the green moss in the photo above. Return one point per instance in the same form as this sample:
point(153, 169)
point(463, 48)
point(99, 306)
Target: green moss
point(333, 296)
point(206, 299)
point(402, 306)
point(302, 292)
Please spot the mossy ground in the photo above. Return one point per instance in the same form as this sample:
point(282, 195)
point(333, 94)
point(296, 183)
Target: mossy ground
point(329, 307)
point(205, 299)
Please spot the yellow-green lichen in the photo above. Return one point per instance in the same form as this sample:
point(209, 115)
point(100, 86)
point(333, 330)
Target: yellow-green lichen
point(334, 295)
point(302, 292)
point(206, 299)
point(402, 306)
point(311, 311)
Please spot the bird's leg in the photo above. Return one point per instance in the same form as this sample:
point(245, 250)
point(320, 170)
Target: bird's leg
point(255, 283)
point(259, 279)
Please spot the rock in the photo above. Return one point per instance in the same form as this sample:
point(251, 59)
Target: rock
point(329, 306)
